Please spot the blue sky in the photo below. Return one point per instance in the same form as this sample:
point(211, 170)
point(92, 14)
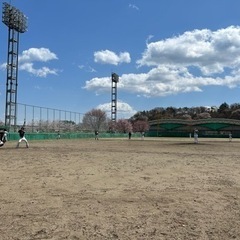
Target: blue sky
point(180, 53)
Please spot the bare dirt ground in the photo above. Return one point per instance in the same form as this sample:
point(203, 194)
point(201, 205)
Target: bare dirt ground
point(120, 189)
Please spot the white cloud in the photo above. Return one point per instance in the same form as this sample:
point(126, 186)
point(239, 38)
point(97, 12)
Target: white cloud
point(3, 66)
point(148, 39)
point(41, 72)
point(99, 85)
point(109, 57)
point(210, 51)
point(161, 81)
point(185, 63)
point(37, 54)
point(124, 110)
point(87, 68)
point(133, 6)
point(28, 57)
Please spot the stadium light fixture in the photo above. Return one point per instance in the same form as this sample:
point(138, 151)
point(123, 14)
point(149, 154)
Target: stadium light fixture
point(14, 18)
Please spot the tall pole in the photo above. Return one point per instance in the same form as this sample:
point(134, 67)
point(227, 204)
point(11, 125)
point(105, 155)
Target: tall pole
point(16, 23)
point(12, 81)
point(115, 79)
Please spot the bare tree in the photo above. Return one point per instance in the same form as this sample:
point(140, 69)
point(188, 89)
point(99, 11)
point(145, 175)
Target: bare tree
point(94, 120)
point(140, 126)
point(185, 117)
point(203, 115)
point(235, 114)
point(123, 126)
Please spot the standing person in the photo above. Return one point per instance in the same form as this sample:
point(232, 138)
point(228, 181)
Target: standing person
point(5, 135)
point(230, 137)
point(22, 137)
point(96, 135)
point(129, 135)
point(195, 136)
point(1, 138)
point(58, 135)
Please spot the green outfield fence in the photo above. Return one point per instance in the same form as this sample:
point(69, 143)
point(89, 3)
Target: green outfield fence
point(202, 134)
point(12, 136)
point(81, 135)
point(212, 127)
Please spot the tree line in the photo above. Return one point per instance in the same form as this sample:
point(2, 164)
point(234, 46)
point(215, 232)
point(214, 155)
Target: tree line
point(97, 120)
point(223, 111)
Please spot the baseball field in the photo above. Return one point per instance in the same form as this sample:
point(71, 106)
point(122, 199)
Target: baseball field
point(156, 188)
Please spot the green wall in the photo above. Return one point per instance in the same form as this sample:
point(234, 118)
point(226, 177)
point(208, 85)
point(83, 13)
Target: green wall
point(44, 136)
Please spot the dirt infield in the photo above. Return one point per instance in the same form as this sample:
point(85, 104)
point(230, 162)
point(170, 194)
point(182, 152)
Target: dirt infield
point(120, 189)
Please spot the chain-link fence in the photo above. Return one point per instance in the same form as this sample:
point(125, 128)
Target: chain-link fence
point(42, 119)
point(49, 120)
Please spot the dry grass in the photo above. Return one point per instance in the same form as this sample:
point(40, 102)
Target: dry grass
point(120, 189)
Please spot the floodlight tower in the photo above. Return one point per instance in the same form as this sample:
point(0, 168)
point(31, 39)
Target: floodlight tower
point(16, 22)
point(115, 79)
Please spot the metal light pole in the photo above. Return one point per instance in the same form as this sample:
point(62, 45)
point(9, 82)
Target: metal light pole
point(16, 22)
point(115, 79)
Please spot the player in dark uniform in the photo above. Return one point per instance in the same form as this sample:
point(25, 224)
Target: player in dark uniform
point(22, 137)
point(1, 138)
point(96, 135)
